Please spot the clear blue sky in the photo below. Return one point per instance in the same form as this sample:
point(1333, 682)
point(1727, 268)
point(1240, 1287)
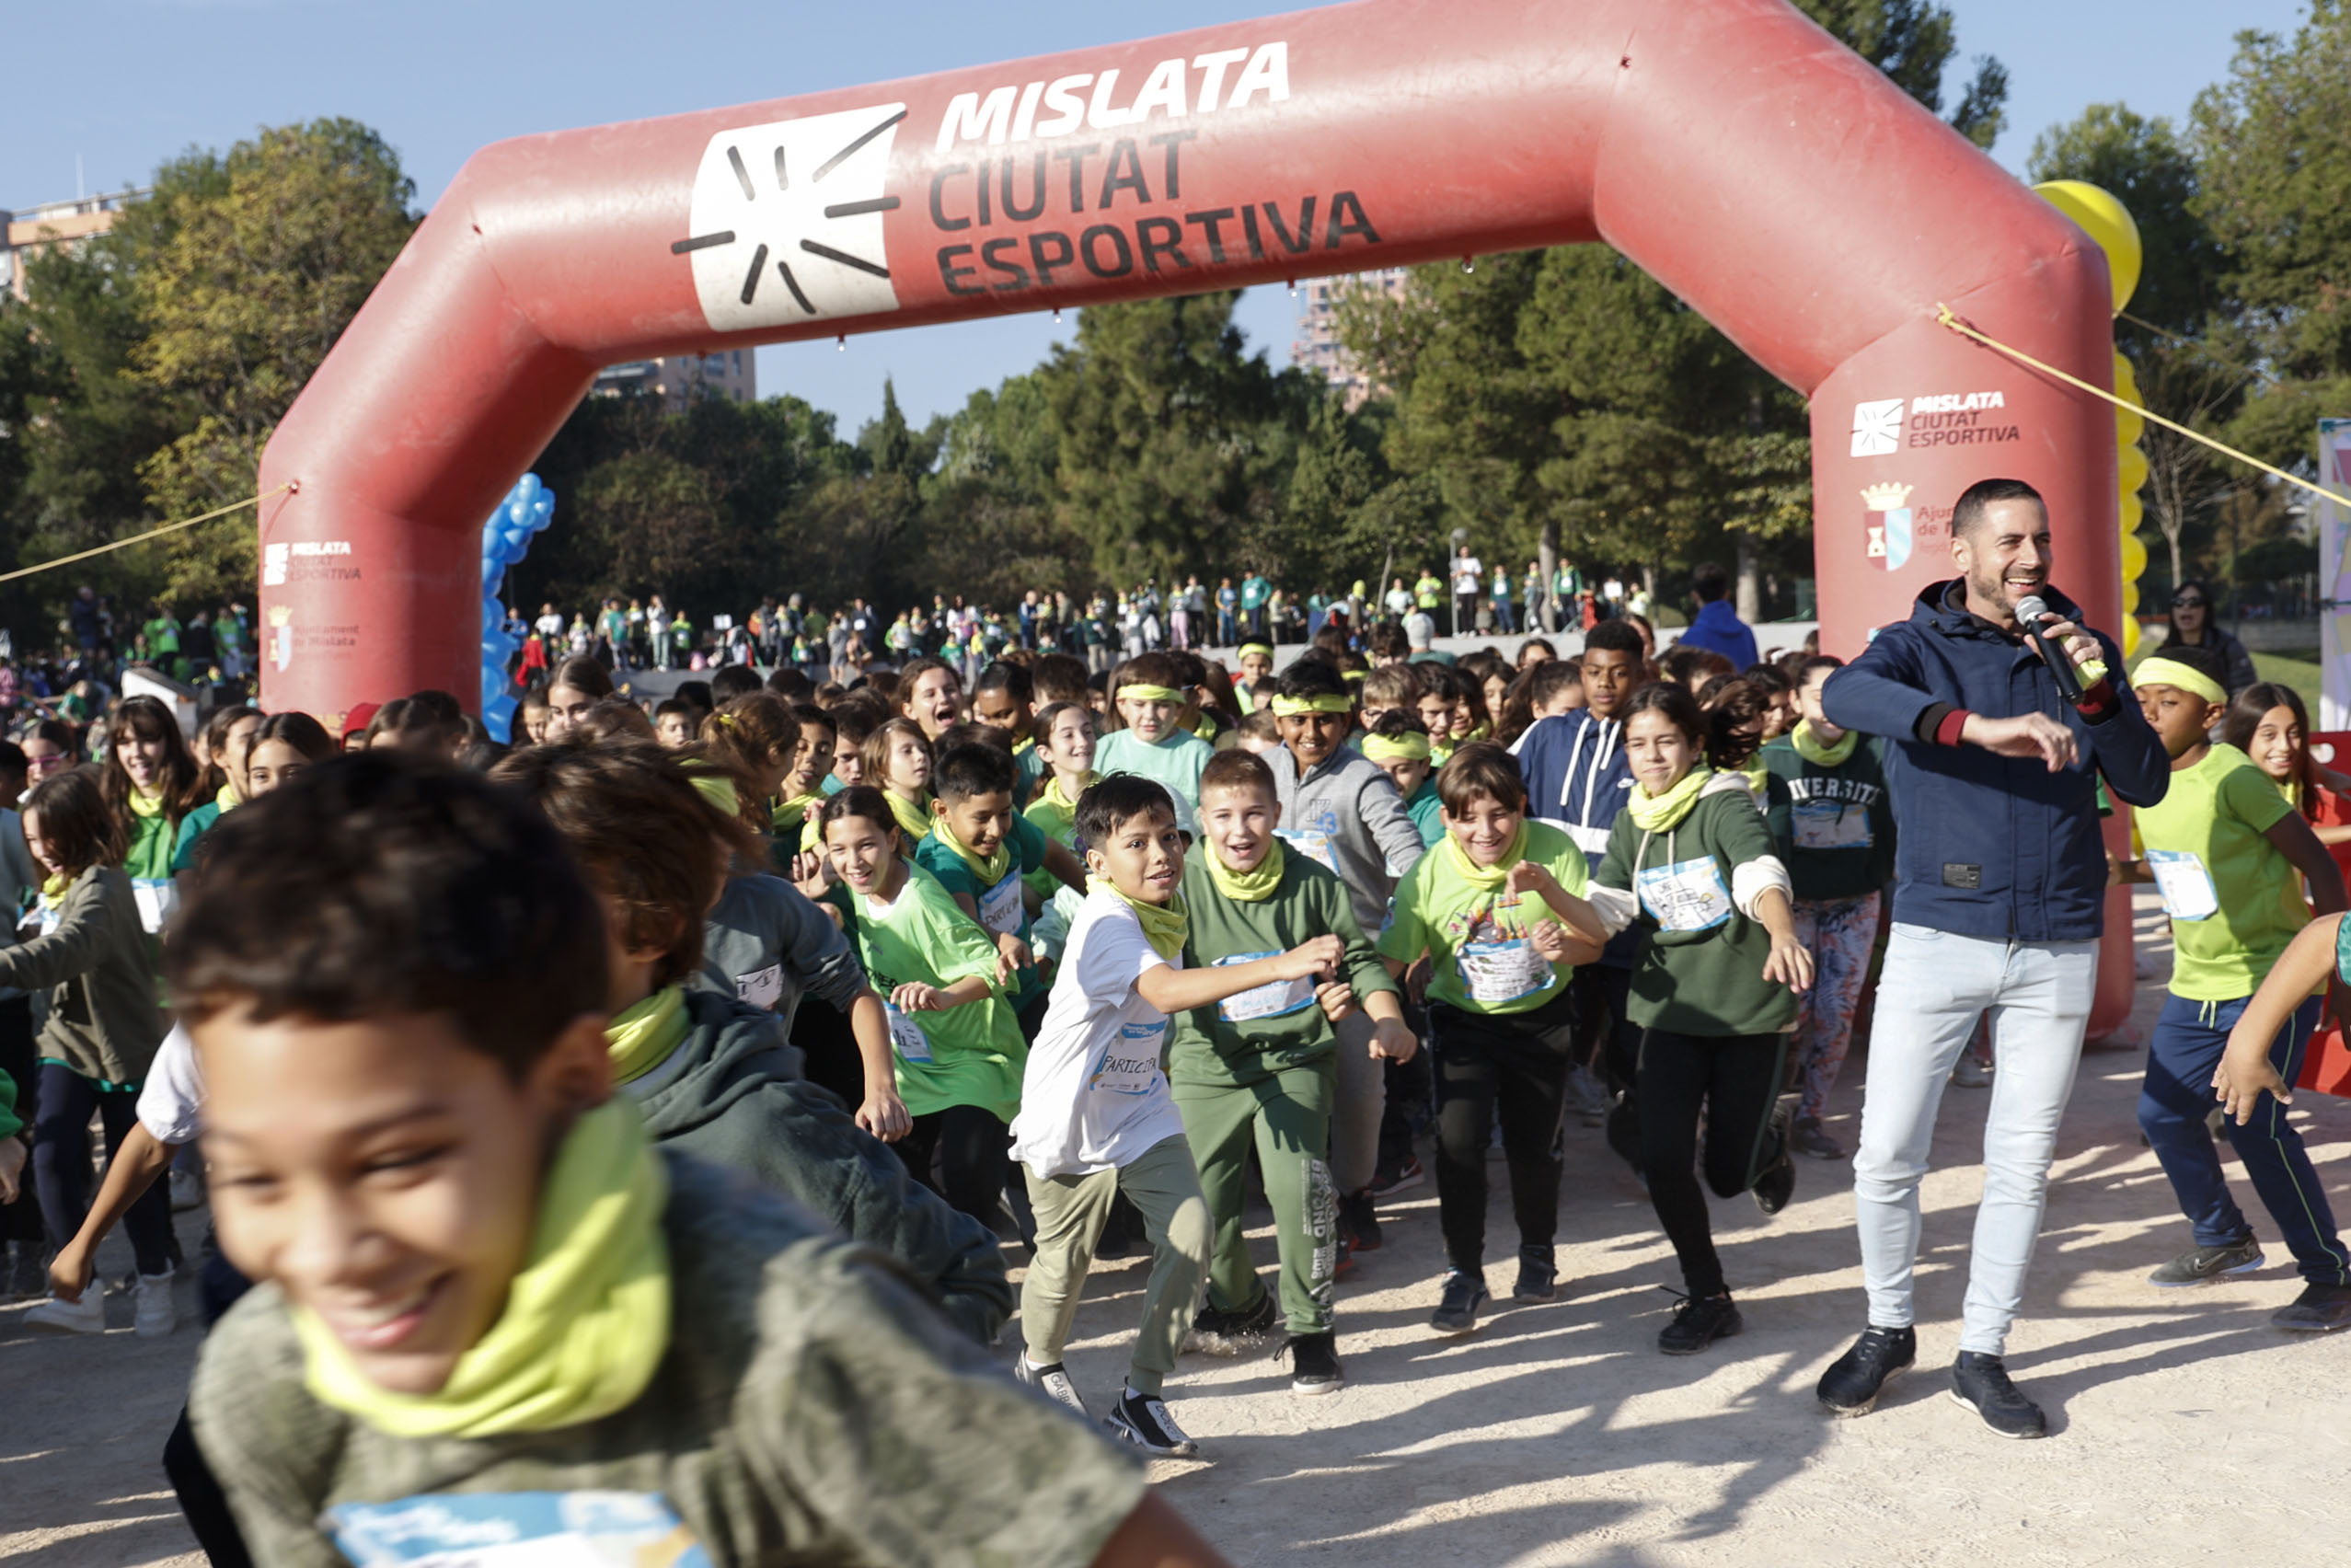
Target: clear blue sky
point(124, 84)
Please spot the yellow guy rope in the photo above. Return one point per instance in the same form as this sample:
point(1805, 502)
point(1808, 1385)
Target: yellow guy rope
point(1944, 316)
point(150, 533)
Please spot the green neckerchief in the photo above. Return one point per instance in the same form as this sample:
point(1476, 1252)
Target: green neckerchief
point(1808, 745)
point(1660, 814)
point(586, 1321)
point(1164, 925)
point(226, 799)
point(54, 889)
point(1486, 879)
point(786, 814)
point(914, 816)
point(142, 805)
point(643, 1037)
point(989, 869)
point(1254, 886)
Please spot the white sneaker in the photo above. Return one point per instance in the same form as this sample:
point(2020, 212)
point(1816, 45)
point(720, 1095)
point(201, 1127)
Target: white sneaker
point(153, 1314)
point(86, 1316)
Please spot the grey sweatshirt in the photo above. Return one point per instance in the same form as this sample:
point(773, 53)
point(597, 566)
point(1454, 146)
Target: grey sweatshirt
point(765, 943)
point(1347, 816)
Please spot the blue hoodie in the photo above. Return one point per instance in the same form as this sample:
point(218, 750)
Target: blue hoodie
point(1992, 845)
point(1718, 630)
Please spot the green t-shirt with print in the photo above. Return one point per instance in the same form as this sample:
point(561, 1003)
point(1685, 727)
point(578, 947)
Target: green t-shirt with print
point(1175, 763)
point(1001, 908)
point(968, 1056)
point(1481, 961)
point(2235, 902)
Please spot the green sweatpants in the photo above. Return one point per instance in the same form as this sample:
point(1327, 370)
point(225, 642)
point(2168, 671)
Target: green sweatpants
point(1164, 1186)
point(1287, 1116)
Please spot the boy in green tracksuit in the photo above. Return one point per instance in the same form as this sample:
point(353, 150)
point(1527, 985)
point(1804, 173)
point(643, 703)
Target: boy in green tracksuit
point(1260, 1068)
point(491, 1319)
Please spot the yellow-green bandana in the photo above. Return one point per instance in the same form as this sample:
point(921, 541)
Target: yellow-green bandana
point(989, 869)
point(1252, 886)
point(642, 1038)
point(1808, 745)
point(1660, 814)
point(1164, 925)
point(586, 1321)
point(1486, 879)
point(1291, 707)
point(914, 816)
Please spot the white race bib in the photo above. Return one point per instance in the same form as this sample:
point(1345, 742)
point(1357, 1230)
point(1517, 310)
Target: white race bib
point(1000, 908)
point(1314, 845)
point(762, 987)
point(514, 1529)
point(1275, 999)
point(1831, 824)
point(907, 1037)
point(2186, 886)
point(1502, 971)
point(1688, 895)
point(1129, 1061)
point(158, 901)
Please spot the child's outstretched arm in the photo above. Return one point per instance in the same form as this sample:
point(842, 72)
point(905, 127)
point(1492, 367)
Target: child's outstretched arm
point(2292, 837)
point(1065, 866)
point(136, 1166)
point(2246, 1073)
point(883, 1113)
point(1790, 963)
point(1174, 990)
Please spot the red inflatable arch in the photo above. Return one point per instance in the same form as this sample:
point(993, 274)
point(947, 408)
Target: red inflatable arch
point(1766, 174)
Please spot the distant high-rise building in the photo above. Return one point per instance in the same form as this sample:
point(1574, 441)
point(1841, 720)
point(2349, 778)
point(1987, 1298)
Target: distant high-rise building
point(675, 378)
point(23, 235)
point(1316, 346)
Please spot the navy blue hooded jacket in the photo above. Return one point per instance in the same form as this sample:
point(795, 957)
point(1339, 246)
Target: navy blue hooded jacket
point(1719, 629)
point(1993, 846)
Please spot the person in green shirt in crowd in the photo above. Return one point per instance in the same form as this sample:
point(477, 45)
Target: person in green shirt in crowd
point(548, 1332)
point(1428, 593)
point(1260, 1070)
point(1497, 910)
point(1691, 863)
point(163, 642)
point(1401, 745)
point(1066, 742)
point(1256, 595)
point(956, 1038)
point(979, 849)
point(1003, 697)
point(152, 783)
point(1151, 699)
point(2230, 856)
point(1833, 818)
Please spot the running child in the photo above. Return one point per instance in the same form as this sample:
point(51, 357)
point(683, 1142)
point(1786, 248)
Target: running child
point(979, 849)
point(1259, 1070)
point(2268, 723)
point(151, 783)
point(1714, 994)
point(1005, 698)
point(545, 1330)
point(897, 761)
point(1829, 812)
point(1400, 747)
point(1097, 1119)
point(953, 1031)
point(1151, 699)
point(1255, 687)
point(2230, 856)
point(930, 694)
point(1497, 908)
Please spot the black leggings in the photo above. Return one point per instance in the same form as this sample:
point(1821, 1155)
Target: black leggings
point(61, 1154)
point(1517, 1064)
point(968, 1144)
point(1736, 1077)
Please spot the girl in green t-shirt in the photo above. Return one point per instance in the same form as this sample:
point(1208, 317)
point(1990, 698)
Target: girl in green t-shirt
point(959, 1068)
point(1696, 869)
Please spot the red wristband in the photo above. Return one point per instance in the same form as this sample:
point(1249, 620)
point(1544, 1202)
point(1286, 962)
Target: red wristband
point(2097, 699)
point(1947, 733)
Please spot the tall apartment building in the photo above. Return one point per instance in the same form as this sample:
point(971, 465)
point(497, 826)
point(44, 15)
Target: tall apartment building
point(26, 233)
point(675, 378)
point(1316, 346)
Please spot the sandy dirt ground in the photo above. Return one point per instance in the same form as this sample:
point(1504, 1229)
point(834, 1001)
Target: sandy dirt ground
point(2184, 1429)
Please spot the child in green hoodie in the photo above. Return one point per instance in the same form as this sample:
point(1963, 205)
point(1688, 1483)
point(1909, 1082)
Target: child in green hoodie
point(490, 1309)
point(1260, 1068)
point(710, 1074)
point(1713, 991)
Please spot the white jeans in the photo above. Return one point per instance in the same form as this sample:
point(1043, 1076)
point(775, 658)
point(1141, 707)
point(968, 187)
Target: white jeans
point(1934, 987)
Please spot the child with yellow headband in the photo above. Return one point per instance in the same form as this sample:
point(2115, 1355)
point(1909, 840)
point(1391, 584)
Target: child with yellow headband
point(2230, 856)
point(1256, 683)
point(526, 1324)
point(1151, 699)
point(1400, 747)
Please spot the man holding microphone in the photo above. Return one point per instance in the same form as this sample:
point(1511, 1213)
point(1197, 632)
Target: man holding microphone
point(1996, 740)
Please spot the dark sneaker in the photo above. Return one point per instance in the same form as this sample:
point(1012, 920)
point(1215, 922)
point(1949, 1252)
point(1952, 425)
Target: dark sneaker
point(1981, 1382)
point(1699, 1321)
point(1314, 1363)
point(1807, 1139)
point(2320, 1309)
point(1854, 1381)
point(1972, 1071)
point(1777, 1182)
point(1458, 1312)
point(2202, 1266)
point(1054, 1380)
point(1537, 1277)
point(1143, 1420)
point(1404, 1179)
point(1217, 1331)
point(1361, 1224)
point(1345, 1264)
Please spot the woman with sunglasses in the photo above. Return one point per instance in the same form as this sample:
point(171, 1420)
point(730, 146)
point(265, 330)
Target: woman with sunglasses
point(2194, 626)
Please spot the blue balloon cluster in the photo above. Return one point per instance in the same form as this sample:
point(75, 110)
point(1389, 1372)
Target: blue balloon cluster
point(528, 508)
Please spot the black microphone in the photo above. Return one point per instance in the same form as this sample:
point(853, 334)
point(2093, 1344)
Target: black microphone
point(2030, 611)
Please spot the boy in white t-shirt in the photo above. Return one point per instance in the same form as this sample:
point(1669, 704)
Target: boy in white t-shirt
point(1096, 1118)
